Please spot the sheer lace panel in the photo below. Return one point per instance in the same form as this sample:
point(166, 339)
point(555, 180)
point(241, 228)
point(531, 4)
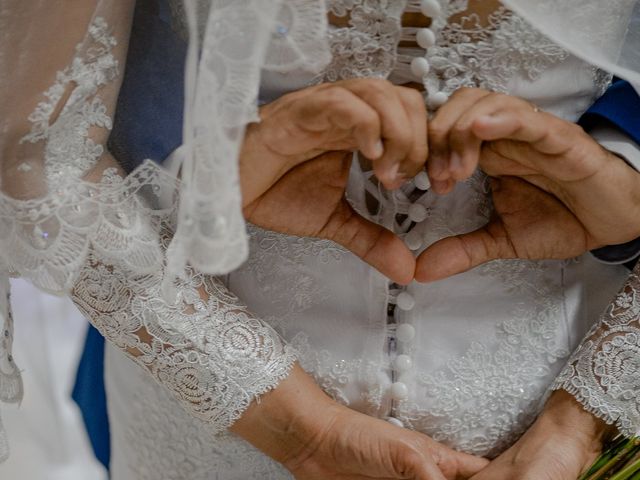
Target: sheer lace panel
point(212, 354)
point(486, 50)
point(367, 46)
point(68, 219)
point(241, 37)
point(604, 372)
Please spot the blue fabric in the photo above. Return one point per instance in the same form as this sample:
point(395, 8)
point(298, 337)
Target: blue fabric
point(619, 107)
point(89, 394)
point(147, 124)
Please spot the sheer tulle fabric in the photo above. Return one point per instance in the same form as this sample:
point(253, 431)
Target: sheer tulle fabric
point(71, 220)
point(591, 30)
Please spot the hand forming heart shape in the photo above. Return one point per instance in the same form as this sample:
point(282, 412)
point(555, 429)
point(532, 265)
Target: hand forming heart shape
point(556, 192)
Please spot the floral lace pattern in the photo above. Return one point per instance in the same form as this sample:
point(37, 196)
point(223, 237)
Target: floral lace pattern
point(367, 48)
point(472, 391)
point(107, 240)
point(47, 240)
point(211, 230)
point(207, 349)
point(471, 54)
point(70, 151)
point(163, 441)
point(604, 372)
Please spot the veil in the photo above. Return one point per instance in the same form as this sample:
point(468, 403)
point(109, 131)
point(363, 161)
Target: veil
point(65, 200)
point(603, 33)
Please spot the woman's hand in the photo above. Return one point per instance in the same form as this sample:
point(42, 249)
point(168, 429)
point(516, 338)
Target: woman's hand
point(561, 444)
point(388, 124)
point(557, 193)
point(317, 439)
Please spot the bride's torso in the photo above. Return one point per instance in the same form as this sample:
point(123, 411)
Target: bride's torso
point(475, 353)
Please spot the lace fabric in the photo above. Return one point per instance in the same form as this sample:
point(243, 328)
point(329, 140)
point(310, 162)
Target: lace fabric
point(488, 53)
point(604, 372)
point(604, 34)
point(367, 47)
point(473, 53)
point(241, 38)
point(11, 388)
point(69, 219)
point(207, 349)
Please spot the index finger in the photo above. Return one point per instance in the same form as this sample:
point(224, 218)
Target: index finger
point(546, 133)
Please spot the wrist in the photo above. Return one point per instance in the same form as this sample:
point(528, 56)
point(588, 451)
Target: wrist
point(606, 202)
point(564, 415)
point(289, 421)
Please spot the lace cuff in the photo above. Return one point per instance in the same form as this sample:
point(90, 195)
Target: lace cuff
point(603, 374)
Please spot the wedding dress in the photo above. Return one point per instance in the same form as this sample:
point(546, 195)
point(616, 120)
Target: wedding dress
point(71, 221)
point(469, 360)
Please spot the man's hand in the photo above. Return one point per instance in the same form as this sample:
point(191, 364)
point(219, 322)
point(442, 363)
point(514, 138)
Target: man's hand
point(558, 193)
point(309, 201)
point(388, 124)
point(527, 223)
point(316, 439)
point(561, 444)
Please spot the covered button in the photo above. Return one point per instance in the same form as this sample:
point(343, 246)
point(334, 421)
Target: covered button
point(405, 301)
point(402, 363)
point(418, 213)
point(426, 38)
point(405, 332)
point(421, 181)
point(430, 8)
point(399, 391)
point(420, 67)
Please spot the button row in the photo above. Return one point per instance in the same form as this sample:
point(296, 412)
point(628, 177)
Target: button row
point(405, 332)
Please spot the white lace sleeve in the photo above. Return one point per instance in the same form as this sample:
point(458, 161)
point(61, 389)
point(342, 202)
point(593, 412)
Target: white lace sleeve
point(207, 348)
point(70, 221)
point(604, 372)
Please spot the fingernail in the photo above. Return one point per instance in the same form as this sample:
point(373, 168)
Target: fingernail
point(391, 175)
point(455, 162)
point(488, 119)
point(378, 149)
point(436, 165)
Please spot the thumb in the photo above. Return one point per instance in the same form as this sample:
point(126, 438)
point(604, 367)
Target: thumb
point(428, 470)
point(448, 464)
point(467, 465)
point(453, 255)
point(376, 245)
